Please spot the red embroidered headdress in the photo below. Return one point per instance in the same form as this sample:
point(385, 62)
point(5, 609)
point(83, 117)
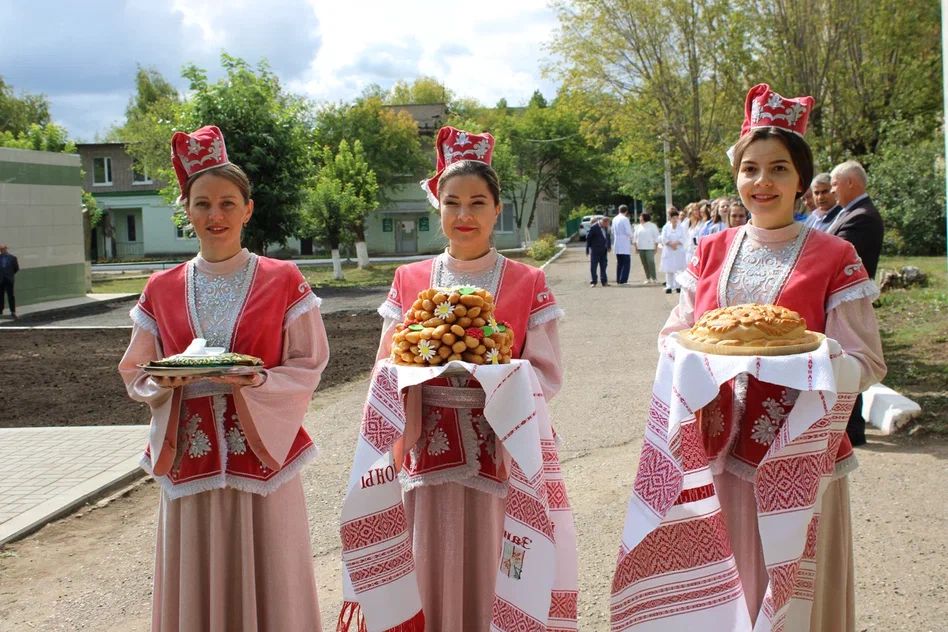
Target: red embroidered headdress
point(453, 145)
point(765, 108)
point(198, 151)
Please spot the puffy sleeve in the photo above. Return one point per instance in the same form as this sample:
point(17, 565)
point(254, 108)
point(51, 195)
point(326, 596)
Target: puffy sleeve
point(854, 326)
point(164, 403)
point(850, 317)
point(542, 343)
point(542, 348)
point(683, 314)
point(271, 412)
point(391, 308)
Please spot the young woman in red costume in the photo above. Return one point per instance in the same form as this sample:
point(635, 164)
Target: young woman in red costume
point(233, 549)
point(776, 260)
point(455, 505)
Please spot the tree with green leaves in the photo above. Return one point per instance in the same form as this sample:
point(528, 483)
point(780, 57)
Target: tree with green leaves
point(338, 199)
point(18, 113)
point(267, 134)
point(153, 114)
point(389, 141)
point(680, 62)
point(48, 137)
point(423, 90)
point(541, 151)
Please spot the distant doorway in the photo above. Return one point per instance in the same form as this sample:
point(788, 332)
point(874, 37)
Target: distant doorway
point(406, 236)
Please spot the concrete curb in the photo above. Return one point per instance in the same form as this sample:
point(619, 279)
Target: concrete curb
point(67, 502)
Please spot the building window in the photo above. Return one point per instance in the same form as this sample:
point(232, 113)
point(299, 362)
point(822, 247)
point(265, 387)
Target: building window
point(184, 232)
point(130, 223)
point(140, 175)
point(506, 223)
point(102, 171)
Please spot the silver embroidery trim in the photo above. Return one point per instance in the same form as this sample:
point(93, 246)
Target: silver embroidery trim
point(545, 315)
point(388, 311)
point(302, 306)
point(864, 289)
point(143, 320)
point(451, 397)
point(205, 388)
point(216, 302)
point(220, 481)
point(746, 279)
point(490, 280)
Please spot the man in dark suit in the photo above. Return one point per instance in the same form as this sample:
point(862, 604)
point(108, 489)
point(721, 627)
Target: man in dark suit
point(8, 268)
point(598, 245)
point(860, 224)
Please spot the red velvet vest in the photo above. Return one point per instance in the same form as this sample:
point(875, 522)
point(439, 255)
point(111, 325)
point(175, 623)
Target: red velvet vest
point(824, 266)
point(209, 446)
point(456, 444)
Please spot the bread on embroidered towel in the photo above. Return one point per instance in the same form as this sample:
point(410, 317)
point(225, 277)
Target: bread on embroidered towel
point(536, 585)
point(676, 569)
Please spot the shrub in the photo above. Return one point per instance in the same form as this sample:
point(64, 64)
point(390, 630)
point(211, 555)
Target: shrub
point(907, 183)
point(543, 248)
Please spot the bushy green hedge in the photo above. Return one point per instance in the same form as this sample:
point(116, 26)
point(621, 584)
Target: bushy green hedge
point(543, 248)
point(907, 184)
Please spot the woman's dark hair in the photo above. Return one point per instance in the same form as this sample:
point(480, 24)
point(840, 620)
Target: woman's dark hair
point(228, 171)
point(646, 217)
point(473, 168)
point(799, 151)
point(673, 212)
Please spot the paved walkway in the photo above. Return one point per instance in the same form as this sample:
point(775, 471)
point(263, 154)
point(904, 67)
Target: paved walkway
point(47, 472)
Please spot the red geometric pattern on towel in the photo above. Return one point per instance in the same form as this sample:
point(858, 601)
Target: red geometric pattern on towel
point(375, 528)
point(657, 421)
point(679, 597)
point(693, 456)
point(779, 591)
point(376, 546)
point(658, 481)
point(384, 567)
point(509, 618)
point(789, 483)
point(528, 510)
point(564, 604)
point(556, 495)
point(674, 547)
point(377, 430)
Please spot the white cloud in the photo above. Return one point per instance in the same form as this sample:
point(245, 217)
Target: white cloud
point(488, 51)
point(84, 60)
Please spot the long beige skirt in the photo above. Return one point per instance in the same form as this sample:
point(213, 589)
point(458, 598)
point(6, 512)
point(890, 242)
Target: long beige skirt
point(230, 560)
point(456, 539)
point(834, 595)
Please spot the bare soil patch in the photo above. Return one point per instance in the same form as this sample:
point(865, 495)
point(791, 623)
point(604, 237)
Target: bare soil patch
point(69, 377)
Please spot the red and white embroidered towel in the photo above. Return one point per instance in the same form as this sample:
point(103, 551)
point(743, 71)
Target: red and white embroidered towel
point(676, 569)
point(537, 572)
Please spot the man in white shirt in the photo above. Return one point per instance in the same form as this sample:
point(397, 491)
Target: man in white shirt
point(622, 245)
point(645, 240)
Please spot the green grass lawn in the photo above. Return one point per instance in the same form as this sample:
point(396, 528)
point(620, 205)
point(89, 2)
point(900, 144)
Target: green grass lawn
point(914, 326)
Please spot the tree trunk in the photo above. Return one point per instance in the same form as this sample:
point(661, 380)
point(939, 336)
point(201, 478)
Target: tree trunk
point(362, 254)
point(337, 265)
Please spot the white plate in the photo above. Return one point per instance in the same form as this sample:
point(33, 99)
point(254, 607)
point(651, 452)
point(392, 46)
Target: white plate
point(202, 371)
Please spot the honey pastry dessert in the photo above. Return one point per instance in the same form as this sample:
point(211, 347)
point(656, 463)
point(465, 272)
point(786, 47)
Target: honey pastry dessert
point(452, 324)
point(751, 329)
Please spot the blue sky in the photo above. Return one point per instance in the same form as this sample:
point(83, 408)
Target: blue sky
point(83, 55)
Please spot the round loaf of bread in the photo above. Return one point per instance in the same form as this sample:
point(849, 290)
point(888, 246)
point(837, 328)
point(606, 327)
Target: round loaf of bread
point(751, 329)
